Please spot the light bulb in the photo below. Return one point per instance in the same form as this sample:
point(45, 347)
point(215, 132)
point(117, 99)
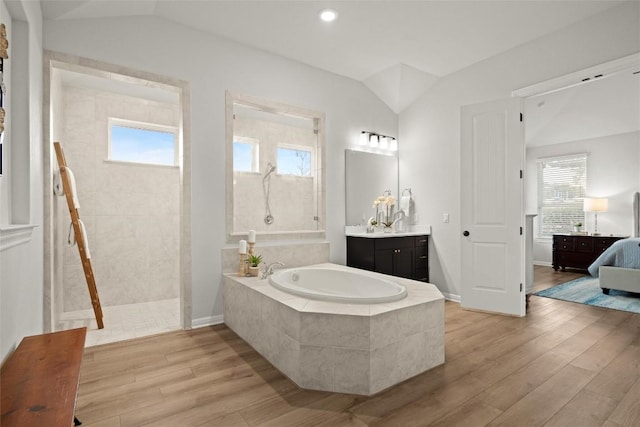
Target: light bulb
point(373, 141)
point(328, 15)
point(364, 138)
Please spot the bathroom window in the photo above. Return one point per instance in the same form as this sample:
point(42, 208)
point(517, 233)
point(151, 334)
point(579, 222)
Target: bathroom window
point(138, 142)
point(294, 161)
point(561, 187)
point(245, 154)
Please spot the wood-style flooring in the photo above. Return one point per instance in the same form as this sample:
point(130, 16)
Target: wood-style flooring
point(564, 364)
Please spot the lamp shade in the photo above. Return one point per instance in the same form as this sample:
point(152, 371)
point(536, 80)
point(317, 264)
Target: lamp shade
point(595, 205)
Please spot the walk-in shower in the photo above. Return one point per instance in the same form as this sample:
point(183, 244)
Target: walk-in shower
point(274, 169)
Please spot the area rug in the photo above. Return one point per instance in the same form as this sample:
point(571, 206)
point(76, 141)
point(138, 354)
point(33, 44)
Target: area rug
point(586, 290)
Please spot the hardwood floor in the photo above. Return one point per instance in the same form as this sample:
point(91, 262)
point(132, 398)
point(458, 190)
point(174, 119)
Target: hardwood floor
point(564, 364)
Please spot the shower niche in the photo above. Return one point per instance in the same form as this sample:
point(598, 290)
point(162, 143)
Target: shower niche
point(274, 169)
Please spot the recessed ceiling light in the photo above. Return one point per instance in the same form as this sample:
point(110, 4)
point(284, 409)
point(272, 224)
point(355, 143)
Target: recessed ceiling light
point(328, 15)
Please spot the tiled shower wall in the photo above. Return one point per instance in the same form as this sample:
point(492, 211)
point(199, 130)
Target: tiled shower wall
point(292, 199)
point(131, 212)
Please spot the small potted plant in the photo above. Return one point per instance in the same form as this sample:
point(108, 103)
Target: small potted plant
point(254, 262)
point(577, 226)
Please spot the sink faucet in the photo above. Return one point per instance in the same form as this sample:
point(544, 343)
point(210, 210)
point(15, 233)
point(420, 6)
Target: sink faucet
point(269, 270)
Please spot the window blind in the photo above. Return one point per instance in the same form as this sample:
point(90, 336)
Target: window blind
point(561, 188)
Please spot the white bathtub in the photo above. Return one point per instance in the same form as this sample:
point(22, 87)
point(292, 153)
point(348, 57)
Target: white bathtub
point(347, 285)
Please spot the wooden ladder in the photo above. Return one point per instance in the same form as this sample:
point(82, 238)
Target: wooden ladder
point(79, 236)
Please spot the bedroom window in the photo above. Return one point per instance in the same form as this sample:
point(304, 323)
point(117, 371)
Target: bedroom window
point(137, 142)
point(561, 188)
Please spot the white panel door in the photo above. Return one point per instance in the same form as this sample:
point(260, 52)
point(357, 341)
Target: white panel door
point(492, 248)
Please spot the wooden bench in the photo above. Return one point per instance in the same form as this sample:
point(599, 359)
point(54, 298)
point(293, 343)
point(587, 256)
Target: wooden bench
point(39, 381)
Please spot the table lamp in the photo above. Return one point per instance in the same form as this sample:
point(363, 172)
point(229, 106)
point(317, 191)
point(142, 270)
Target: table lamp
point(595, 205)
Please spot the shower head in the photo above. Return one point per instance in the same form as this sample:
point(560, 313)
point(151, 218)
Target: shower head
point(270, 169)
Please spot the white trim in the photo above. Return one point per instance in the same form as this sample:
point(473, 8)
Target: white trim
point(542, 263)
point(207, 321)
point(588, 75)
point(451, 297)
point(563, 157)
point(152, 165)
point(15, 234)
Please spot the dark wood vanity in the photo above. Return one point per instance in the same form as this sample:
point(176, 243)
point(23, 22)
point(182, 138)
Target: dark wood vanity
point(402, 256)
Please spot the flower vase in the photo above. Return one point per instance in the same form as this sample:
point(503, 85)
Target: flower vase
point(388, 229)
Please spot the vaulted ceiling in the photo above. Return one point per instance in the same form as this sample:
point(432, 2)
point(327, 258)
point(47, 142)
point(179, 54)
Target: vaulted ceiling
point(397, 48)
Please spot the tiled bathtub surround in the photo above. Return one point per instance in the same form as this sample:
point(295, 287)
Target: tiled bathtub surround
point(291, 254)
point(347, 348)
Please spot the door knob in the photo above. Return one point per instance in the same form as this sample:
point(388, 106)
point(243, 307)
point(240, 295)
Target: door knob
point(465, 233)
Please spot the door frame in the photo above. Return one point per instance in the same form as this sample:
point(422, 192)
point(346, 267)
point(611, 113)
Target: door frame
point(580, 77)
point(53, 60)
point(566, 81)
point(585, 76)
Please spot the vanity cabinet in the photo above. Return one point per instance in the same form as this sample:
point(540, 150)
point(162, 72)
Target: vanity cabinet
point(405, 256)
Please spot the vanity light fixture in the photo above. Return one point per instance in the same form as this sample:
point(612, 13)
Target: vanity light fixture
point(384, 142)
point(364, 138)
point(375, 140)
point(328, 15)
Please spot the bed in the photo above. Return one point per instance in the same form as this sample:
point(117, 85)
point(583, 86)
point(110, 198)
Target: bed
point(619, 266)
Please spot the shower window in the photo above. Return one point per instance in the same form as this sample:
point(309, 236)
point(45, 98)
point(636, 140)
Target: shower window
point(137, 142)
point(274, 170)
point(245, 154)
point(294, 161)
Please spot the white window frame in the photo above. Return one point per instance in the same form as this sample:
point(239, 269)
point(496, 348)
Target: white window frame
point(540, 199)
point(113, 121)
point(310, 149)
point(255, 152)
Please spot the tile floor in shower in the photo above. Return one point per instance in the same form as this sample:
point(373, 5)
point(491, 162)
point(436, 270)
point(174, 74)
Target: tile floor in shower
point(123, 322)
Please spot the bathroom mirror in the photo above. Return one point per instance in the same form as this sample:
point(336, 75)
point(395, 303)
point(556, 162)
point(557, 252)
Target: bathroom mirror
point(368, 175)
point(275, 170)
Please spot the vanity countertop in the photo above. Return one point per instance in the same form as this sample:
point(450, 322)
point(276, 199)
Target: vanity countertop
point(360, 231)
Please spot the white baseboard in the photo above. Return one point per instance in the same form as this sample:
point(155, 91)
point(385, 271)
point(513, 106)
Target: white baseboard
point(451, 297)
point(543, 263)
point(207, 321)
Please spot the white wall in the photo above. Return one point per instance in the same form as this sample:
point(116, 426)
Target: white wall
point(430, 129)
point(612, 166)
point(21, 267)
point(213, 65)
